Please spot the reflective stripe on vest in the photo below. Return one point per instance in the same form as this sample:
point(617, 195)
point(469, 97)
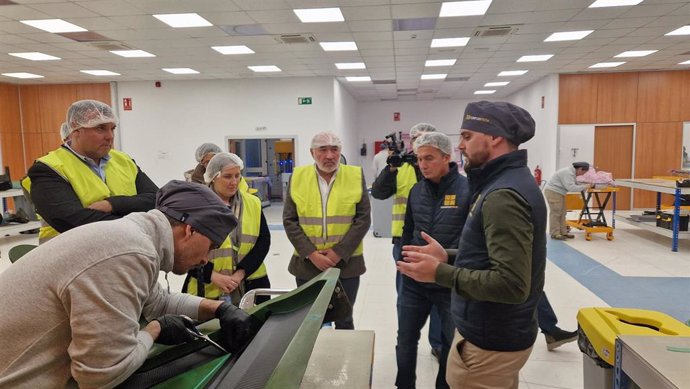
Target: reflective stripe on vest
point(120, 175)
point(222, 257)
point(341, 206)
point(405, 180)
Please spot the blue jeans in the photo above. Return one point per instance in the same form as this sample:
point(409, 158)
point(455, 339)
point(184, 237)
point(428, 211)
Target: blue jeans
point(546, 317)
point(415, 301)
point(350, 286)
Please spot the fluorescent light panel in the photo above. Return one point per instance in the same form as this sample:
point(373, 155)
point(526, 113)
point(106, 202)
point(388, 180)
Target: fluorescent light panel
point(685, 62)
point(606, 65)
point(319, 15)
point(439, 62)
point(685, 30)
point(433, 76)
point(264, 68)
point(35, 56)
point(100, 72)
point(568, 36)
point(53, 25)
point(535, 58)
point(502, 83)
point(180, 70)
point(450, 42)
point(508, 73)
point(358, 78)
point(338, 46)
point(228, 50)
point(132, 53)
point(183, 20)
point(614, 3)
point(484, 92)
point(464, 8)
point(635, 53)
point(350, 65)
point(22, 75)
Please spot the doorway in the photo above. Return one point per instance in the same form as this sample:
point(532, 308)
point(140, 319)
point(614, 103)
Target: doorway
point(613, 152)
point(268, 163)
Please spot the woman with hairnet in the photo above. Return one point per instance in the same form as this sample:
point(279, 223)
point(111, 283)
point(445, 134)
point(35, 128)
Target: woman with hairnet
point(237, 266)
point(203, 155)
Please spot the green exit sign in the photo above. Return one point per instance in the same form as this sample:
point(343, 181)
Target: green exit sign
point(304, 100)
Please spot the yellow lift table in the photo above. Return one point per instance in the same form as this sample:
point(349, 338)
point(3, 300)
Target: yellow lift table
point(592, 219)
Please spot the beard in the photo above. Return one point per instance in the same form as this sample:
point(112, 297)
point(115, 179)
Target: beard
point(328, 168)
point(477, 160)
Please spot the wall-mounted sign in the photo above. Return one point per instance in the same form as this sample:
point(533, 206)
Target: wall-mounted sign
point(396, 116)
point(127, 103)
point(304, 100)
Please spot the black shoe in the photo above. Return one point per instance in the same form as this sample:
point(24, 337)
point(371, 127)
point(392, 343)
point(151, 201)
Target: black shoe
point(559, 337)
point(436, 352)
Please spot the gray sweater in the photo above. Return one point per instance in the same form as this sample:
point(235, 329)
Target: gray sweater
point(71, 307)
point(563, 181)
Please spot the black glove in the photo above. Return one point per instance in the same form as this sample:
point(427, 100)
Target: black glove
point(175, 329)
point(237, 328)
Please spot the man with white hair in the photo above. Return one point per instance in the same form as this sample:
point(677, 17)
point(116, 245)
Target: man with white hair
point(85, 180)
point(437, 205)
point(326, 216)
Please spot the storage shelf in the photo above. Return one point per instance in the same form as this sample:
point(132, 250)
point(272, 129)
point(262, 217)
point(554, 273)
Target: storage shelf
point(650, 226)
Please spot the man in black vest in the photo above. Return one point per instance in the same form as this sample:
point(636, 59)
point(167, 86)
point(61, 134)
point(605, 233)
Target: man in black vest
point(498, 275)
point(437, 205)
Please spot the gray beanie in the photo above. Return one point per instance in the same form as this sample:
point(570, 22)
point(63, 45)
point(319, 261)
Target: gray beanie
point(499, 119)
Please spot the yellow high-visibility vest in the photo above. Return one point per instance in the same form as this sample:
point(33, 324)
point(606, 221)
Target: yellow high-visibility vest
point(120, 173)
point(341, 205)
point(405, 180)
point(223, 257)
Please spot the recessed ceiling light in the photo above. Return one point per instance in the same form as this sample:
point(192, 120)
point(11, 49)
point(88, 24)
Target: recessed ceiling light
point(338, 46)
point(450, 42)
point(501, 83)
point(350, 65)
point(606, 65)
point(35, 56)
point(568, 36)
point(464, 8)
point(638, 53)
point(132, 53)
point(265, 68)
point(685, 62)
point(507, 73)
point(180, 70)
point(614, 3)
point(319, 15)
point(53, 25)
point(358, 78)
point(227, 50)
point(183, 20)
point(100, 72)
point(535, 58)
point(433, 76)
point(484, 92)
point(439, 62)
point(22, 75)
point(685, 30)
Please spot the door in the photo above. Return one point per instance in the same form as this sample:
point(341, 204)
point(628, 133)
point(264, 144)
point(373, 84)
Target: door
point(613, 152)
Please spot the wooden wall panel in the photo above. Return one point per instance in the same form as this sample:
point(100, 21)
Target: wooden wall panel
point(616, 97)
point(100, 92)
point(12, 154)
point(659, 96)
point(9, 109)
point(54, 101)
point(31, 107)
point(50, 141)
point(685, 97)
point(657, 151)
point(33, 147)
point(577, 99)
point(613, 152)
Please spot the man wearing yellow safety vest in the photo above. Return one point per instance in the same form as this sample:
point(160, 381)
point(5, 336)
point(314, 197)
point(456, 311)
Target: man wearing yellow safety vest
point(398, 181)
point(237, 266)
point(85, 180)
point(326, 216)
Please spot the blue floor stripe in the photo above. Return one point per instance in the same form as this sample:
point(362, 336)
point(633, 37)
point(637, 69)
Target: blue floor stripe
point(670, 295)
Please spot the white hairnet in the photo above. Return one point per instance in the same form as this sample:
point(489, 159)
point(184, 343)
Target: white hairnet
point(64, 131)
point(325, 139)
point(89, 113)
point(205, 149)
point(438, 140)
point(419, 128)
point(219, 162)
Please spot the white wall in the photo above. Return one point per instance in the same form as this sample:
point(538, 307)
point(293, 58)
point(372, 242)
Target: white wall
point(167, 124)
point(541, 149)
point(576, 143)
point(345, 108)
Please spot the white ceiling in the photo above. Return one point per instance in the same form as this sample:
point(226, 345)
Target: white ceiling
point(396, 56)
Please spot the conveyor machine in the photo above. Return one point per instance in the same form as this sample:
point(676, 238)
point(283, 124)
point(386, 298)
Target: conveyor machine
point(276, 358)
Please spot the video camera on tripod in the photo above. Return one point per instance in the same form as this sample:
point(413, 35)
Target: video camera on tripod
point(399, 154)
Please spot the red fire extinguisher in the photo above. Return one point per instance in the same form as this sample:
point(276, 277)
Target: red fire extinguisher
point(537, 175)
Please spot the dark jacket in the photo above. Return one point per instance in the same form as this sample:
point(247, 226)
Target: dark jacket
point(439, 210)
point(59, 205)
point(499, 271)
